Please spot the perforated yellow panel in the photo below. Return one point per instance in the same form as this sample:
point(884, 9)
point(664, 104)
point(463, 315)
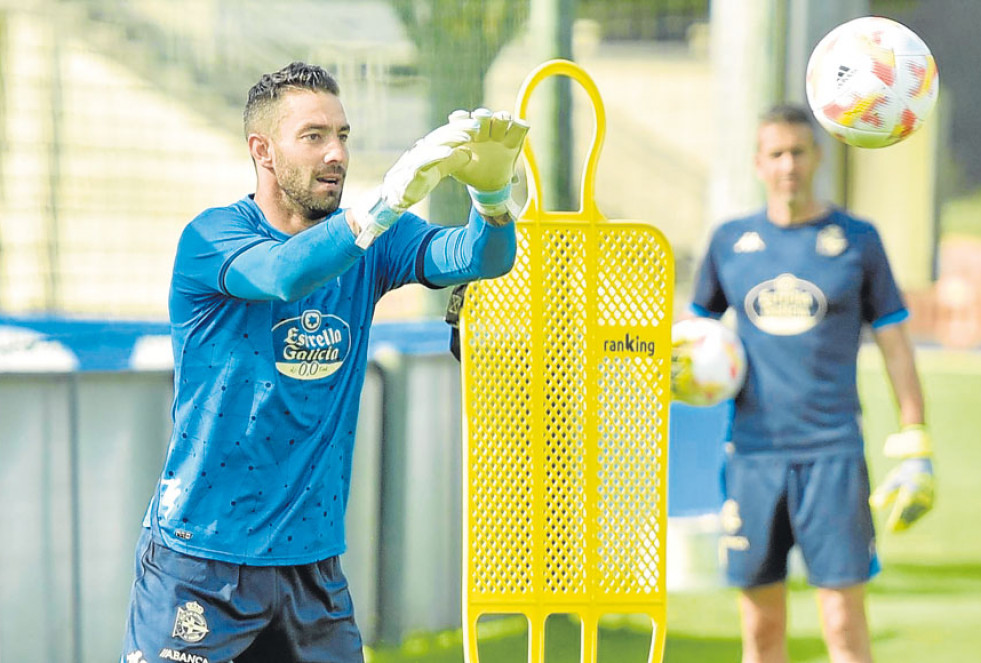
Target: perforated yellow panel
point(566, 365)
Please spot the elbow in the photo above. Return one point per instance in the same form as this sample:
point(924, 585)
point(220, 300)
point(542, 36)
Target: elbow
point(292, 290)
point(488, 267)
point(283, 296)
point(498, 257)
point(499, 266)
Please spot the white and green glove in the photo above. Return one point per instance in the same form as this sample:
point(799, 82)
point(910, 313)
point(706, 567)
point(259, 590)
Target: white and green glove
point(494, 151)
point(909, 487)
point(413, 177)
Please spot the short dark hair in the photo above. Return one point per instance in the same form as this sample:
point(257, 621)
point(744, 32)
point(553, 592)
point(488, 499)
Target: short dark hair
point(787, 114)
point(270, 88)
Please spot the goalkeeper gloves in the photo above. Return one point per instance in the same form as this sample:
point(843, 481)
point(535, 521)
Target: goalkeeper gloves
point(494, 152)
point(909, 487)
point(413, 177)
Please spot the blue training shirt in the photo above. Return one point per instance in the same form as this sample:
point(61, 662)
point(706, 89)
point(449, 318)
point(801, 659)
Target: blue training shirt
point(267, 388)
point(801, 295)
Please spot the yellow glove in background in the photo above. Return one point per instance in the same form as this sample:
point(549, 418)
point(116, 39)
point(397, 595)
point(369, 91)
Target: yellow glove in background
point(682, 380)
point(909, 487)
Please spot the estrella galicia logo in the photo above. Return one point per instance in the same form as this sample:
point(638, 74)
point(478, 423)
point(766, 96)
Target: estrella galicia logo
point(786, 305)
point(312, 346)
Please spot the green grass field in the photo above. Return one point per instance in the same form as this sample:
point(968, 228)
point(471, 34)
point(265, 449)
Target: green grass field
point(925, 606)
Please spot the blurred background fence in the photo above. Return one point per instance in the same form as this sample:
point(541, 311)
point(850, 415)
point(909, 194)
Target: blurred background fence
point(120, 120)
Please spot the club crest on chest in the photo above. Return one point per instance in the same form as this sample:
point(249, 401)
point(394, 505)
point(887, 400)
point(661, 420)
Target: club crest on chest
point(831, 241)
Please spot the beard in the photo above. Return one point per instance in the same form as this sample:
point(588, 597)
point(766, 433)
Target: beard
point(296, 188)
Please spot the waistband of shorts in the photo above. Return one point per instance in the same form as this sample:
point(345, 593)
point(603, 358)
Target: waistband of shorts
point(796, 453)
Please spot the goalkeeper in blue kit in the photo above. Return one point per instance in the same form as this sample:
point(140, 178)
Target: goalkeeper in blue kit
point(271, 302)
point(803, 279)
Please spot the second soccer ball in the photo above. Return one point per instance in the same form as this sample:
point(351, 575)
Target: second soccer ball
point(708, 363)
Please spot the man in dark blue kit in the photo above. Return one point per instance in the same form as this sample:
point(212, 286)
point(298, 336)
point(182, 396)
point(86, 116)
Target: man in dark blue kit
point(803, 278)
point(271, 302)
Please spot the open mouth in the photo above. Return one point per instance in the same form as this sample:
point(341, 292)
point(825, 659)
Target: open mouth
point(333, 180)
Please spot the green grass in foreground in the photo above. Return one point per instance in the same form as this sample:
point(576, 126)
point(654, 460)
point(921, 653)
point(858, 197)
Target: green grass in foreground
point(925, 606)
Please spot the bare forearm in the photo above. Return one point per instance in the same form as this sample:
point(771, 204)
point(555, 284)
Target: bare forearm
point(897, 352)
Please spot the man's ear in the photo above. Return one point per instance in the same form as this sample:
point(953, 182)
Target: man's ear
point(261, 150)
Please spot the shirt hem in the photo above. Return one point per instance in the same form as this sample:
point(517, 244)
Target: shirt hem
point(245, 560)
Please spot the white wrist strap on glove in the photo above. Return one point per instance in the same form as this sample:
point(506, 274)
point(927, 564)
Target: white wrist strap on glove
point(413, 176)
point(373, 216)
point(492, 203)
point(912, 441)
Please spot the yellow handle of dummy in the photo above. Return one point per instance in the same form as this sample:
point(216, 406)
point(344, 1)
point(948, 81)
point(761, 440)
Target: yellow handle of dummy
point(588, 211)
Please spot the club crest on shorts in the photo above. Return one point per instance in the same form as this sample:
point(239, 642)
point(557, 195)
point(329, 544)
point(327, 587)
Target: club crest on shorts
point(731, 522)
point(190, 625)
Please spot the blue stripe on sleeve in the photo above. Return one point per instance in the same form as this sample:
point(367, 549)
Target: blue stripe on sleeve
point(421, 261)
point(893, 318)
point(703, 312)
point(224, 267)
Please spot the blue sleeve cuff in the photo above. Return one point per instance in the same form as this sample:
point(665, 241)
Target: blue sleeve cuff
point(902, 315)
point(703, 312)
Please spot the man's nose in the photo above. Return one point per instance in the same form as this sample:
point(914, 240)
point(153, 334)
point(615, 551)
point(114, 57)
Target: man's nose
point(336, 150)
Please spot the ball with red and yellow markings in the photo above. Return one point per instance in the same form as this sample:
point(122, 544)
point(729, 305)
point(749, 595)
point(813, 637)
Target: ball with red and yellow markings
point(871, 82)
point(708, 362)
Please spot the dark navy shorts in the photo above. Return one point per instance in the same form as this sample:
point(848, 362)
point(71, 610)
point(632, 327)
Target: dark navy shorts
point(195, 610)
point(821, 505)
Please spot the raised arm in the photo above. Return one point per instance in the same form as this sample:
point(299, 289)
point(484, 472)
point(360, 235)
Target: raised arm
point(483, 249)
point(486, 247)
point(288, 270)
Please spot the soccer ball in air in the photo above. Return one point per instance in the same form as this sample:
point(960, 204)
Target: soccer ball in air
point(871, 82)
point(708, 363)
